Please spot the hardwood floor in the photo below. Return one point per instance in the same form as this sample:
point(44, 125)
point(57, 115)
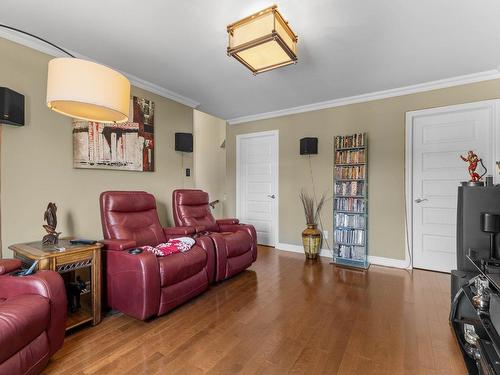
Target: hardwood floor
point(284, 315)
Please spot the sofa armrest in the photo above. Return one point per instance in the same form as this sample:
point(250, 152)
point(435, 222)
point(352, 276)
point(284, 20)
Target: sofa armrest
point(238, 227)
point(9, 265)
point(250, 229)
point(227, 221)
point(118, 245)
point(133, 283)
point(48, 284)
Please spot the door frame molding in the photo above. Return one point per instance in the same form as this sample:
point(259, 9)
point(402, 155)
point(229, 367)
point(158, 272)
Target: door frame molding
point(241, 137)
point(494, 107)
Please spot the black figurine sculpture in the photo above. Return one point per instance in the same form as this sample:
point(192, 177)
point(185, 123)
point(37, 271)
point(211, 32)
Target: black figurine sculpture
point(50, 216)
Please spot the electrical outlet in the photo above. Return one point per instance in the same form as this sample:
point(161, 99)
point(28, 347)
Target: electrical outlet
point(325, 234)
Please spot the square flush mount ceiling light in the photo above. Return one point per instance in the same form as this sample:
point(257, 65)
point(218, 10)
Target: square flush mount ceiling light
point(262, 41)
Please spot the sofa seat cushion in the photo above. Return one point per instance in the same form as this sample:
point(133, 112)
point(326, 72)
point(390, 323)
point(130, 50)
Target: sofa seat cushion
point(22, 319)
point(237, 243)
point(180, 266)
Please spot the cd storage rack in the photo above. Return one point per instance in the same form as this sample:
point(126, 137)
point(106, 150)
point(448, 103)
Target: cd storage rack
point(350, 208)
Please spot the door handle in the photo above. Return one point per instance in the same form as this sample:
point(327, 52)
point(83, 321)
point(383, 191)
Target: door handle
point(420, 200)
point(272, 196)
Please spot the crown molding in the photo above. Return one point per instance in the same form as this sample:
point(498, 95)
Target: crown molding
point(135, 81)
point(159, 90)
point(412, 89)
point(154, 88)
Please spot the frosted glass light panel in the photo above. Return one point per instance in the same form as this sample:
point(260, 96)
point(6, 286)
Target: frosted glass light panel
point(262, 41)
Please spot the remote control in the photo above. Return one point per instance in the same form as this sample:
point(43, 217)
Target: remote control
point(82, 242)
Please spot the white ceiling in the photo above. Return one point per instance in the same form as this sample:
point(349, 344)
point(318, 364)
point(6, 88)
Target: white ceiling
point(346, 47)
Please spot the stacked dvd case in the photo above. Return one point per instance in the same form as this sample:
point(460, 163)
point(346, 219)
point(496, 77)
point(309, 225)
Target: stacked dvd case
point(350, 157)
point(350, 221)
point(356, 172)
point(350, 236)
point(355, 205)
point(350, 141)
point(350, 188)
point(350, 216)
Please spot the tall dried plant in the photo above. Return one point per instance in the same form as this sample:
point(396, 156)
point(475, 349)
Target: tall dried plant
point(312, 210)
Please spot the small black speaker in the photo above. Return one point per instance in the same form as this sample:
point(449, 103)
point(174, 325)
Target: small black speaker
point(184, 142)
point(11, 107)
point(309, 146)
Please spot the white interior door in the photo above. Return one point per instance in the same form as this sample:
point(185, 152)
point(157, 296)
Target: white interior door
point(439, 137)
point(257, 183)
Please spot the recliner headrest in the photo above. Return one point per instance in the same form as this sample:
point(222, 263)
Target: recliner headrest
point(128, 201)
point(191, 197)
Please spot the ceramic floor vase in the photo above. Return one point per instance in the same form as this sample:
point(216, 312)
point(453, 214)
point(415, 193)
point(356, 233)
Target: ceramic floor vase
point(311, 239)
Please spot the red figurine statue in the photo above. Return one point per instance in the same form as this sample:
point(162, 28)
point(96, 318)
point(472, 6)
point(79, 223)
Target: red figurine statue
point(473, 160)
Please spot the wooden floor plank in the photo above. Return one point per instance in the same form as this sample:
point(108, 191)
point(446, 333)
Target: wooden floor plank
point(283, 315)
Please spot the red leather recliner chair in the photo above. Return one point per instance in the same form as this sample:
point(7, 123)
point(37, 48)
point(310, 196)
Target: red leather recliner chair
point(144, 285)
point(235, 244)
point(32, 318)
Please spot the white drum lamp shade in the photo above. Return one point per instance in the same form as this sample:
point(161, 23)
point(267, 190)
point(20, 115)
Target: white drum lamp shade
point(86, 90)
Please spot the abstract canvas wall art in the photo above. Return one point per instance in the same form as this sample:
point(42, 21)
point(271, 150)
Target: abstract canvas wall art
point(126, 146)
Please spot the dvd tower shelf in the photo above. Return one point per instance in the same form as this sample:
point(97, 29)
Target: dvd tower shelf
point(350, 209)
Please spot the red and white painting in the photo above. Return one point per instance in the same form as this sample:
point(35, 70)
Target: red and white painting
point(127, 146)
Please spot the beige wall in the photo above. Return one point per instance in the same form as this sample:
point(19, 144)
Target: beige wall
point(384, 121)
point(37, 159)
point(209, 158)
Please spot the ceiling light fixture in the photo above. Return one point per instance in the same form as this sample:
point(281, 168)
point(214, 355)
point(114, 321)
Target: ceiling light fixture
point(262, 41)
point(84, 89)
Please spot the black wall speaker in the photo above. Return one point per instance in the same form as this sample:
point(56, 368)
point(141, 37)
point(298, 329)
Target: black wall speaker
point(184, 142)
point(11, 107)
point(309, 146)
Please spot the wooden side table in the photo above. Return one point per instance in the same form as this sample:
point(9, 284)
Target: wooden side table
point(80, 263)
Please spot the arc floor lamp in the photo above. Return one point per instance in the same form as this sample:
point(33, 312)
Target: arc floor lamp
point(84, 89)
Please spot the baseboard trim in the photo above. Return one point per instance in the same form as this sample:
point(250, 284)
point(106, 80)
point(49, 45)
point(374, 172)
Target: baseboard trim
point(299, 249)
point(389, 262)
point(327, 253)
